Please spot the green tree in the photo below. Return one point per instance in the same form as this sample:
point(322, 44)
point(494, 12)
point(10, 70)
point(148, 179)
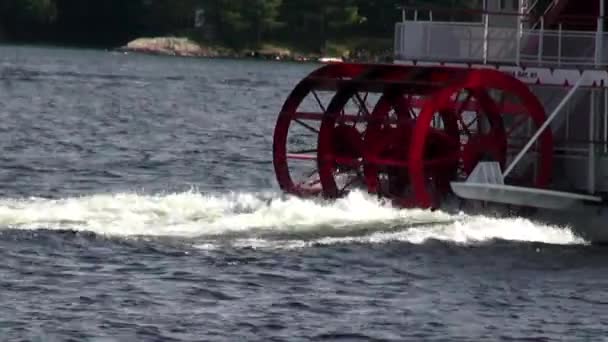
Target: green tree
point(261, 16)
point(25, 19)
point(306, 24)
point(319, 20)
point(243, 22)
point(168, 16)
point(29, 11)
point(228, 20)
point(97, 23)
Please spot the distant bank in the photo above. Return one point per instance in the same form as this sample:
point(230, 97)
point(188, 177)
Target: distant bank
point(178, 46)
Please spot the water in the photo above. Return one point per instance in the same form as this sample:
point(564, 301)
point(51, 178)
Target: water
point(138, 202)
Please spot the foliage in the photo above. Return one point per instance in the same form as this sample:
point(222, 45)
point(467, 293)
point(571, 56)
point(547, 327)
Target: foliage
point(316, 21)
point(19, 16)
point(240, 24)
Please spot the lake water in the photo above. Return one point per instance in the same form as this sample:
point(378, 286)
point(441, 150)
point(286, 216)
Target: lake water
point(138, 202)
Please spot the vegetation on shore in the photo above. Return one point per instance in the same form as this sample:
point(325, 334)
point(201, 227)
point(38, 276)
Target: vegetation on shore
point(357, 29)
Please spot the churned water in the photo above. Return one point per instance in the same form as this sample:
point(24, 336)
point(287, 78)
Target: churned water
point(138, 202)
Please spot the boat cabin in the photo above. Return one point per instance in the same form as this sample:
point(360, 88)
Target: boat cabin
point(556, 47)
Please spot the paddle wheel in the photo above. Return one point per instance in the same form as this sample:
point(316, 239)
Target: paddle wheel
point(502, 107)
point(403, 132)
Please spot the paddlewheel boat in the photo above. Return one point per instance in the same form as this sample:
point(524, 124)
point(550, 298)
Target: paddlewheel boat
point(502, 109)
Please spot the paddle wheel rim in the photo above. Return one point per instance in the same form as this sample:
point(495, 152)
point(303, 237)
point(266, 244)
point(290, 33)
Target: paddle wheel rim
point(288, 115)
point(396, 163)
point(327, 159)
point(478, 81)
point(380, 135)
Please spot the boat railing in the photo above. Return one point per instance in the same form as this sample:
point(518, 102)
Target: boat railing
point(482, 42)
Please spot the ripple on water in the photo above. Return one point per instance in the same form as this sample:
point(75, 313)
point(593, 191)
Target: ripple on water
point(138, 203)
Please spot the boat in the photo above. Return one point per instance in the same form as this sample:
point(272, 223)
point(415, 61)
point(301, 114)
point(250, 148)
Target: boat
point(503, 106)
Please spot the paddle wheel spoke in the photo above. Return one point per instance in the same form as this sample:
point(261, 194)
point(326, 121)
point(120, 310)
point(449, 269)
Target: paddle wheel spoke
point(460, 110)
point(361, 102)
point(301, 156)
point(307, 126)
point(316, 96)
point(512, 130)
point(311, 173)
point(474, 121)
point(308, 151)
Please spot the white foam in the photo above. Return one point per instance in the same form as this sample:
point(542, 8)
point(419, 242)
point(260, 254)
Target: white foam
point(469, 231)
point(249, 219)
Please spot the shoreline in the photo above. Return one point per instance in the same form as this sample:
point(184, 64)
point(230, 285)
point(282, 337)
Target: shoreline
point(184, 47)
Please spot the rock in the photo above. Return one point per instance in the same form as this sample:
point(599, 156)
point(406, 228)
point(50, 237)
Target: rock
point(172, 46)
point(273, 52)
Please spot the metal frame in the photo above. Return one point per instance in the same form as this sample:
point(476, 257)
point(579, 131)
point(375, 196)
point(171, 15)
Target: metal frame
point(531, 46)
point(542, 128)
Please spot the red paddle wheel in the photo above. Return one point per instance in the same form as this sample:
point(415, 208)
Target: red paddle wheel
point(405, 132)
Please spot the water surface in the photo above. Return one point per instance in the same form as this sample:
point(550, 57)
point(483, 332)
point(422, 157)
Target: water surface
point(138, 202)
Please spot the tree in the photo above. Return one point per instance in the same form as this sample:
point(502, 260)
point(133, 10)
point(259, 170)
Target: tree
point(165, 16)
point(25, 18)
point(261, 16)
point(320, 20)
point(307, 24)
point(94, 22)
point(243, 22)
point(228, 21)
point(29, 11)
point(380, 16)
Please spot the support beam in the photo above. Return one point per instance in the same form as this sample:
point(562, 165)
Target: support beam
point(486, 24)
point(599, 48)
point(544, 126)
point(605, 121)
point(591, 155)
point(541, 41)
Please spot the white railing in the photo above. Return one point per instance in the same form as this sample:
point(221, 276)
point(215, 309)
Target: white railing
point(481, 43)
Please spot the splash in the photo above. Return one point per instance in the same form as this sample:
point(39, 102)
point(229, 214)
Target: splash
point(258, 220)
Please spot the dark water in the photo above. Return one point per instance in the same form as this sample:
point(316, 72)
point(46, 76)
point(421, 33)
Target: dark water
point(138, 202)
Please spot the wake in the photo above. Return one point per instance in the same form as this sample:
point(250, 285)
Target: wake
point(266, 220)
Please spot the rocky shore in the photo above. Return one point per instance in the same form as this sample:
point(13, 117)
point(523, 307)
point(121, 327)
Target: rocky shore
point(171, 46)
point(177, 46)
